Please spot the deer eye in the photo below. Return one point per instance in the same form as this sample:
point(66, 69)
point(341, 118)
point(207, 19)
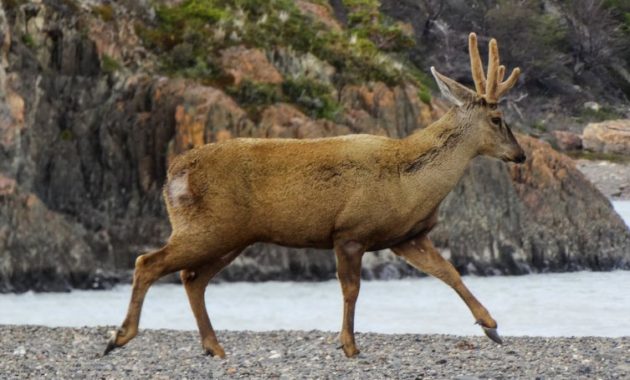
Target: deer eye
point(496, 120)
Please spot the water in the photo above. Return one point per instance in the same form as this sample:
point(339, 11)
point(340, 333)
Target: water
point(623, 209)
point(569, 304)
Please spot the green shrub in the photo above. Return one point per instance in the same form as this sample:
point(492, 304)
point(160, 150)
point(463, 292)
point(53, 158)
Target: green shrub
point(541, 37)
point(104, 11)
point(424, 95)
point(182, 56)
point(204, 10)
point(539, 126)
point(189, 38)
point(313, 97)
point(109, 64)
point(366, 21)
point(209, 26)
point(602, 114)
point(29, 41)
point(254, 97)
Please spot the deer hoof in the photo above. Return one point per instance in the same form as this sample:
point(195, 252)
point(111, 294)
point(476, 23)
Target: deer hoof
point(351, 351)
point(492, 334)
point(110, 346)
point(218, 352)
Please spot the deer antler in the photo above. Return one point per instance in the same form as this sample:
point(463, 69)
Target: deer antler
point(493, 87)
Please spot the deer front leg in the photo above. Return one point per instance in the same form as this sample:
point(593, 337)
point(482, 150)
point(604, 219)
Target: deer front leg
point(195, 282)
point(349, 256)
point(149, 268)
point(421, 254)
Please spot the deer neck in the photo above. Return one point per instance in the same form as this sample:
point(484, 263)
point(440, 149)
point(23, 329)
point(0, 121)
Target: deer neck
point(435, 157)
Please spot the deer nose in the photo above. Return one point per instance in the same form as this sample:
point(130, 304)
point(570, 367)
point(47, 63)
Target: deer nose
point(520, 158)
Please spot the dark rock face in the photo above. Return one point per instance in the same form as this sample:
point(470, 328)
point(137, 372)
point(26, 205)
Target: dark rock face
point(84, 152)
point(264, 262)
point(41, 249)
point(537, 217)
point(96, 153)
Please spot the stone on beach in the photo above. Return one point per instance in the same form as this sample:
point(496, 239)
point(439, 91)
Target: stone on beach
point(35, 352)
point(612, 136)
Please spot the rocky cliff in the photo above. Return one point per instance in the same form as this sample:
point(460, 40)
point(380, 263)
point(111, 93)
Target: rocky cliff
point(536, 217)
point(91, 114)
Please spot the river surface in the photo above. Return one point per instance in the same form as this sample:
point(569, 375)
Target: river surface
point(567, 304)
point(623, 209)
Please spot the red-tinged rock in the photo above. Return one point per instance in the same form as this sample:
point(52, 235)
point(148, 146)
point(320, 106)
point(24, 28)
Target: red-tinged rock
point(11, 116)
point(7, 185)
point(319, 12)
point(242, 64)
point(284, 120)
point(567, 141)
point(201, 114)
point(397, 110)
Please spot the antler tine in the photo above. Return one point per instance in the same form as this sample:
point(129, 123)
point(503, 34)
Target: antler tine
point(509, 83)
point(493, 68)
point(501, 74)
point(476, 65)
point(492, 86)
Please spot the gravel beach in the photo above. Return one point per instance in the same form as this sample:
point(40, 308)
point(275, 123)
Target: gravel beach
point(75, 353)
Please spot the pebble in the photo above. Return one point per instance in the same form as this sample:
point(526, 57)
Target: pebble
point(73, 353)
point(275, 355)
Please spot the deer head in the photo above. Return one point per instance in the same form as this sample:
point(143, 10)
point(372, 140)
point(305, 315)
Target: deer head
point(479, 110)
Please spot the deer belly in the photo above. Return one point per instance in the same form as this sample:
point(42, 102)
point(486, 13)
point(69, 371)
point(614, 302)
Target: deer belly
point(300, 231)
point(393, 237)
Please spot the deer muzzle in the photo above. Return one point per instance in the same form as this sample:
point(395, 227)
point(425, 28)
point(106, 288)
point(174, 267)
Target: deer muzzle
point(520, 157)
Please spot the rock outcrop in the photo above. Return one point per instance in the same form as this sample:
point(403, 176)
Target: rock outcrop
point(249, 64)
point(378, 109)
point(536, 217)
point(567, 141)
point(87, 129)
point(611, 136)
point(43, 250)
point(285, 121)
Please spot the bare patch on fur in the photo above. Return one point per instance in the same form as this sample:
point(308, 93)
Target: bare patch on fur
point(179, 189)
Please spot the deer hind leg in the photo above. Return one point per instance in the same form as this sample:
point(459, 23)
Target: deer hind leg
point(149, 268)
point(421, 254)
point(195, 282)
point(349, 256)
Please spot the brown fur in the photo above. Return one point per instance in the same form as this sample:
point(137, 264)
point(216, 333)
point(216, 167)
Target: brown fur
point(351, 193)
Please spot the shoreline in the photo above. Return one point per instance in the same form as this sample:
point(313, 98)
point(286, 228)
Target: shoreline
point(416, 306)
point(36, 351)
point(611, 178)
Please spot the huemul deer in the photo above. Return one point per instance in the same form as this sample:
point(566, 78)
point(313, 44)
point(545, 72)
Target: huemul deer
point(353, 193)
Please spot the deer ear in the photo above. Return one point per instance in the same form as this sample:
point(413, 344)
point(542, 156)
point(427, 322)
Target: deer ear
point(452, 90)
